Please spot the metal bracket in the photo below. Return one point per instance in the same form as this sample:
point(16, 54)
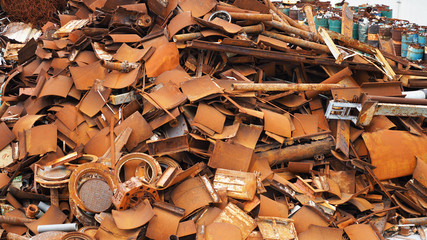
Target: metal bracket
point(342, 110)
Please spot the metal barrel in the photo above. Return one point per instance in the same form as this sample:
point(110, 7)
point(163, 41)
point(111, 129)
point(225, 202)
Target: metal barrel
point(422, 39)
point(355, 30)
point(415, 52)
point(385, 32)
point(335, 24)
point(396, 35)
point(363, 32)
point(408, 37)
point(321, 22)
point(373, 32)
point(388, 13)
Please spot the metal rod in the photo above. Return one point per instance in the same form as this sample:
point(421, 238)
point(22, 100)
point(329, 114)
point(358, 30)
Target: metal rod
point(283, 87)
point(68, 227)
point(15, 220)
point(337, 77)
point(416, 221)
point(251, 16)
point(297, 41)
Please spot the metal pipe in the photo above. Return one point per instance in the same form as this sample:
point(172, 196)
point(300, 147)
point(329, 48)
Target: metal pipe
point(3, 108)
point(337, 77)
point(31, 211)
point(383, 99)
point(350, 42)
point(283, 86)
point(254, 28)
point(13, 201)
point(297, 41)
point(289, 29)
point(15, 220)
point(251, 16)
point(67, 227)
point(418, 94)
point(191, 36)
point(297, 152)
point(416, 221)
point(119, 66)
point(43, 206)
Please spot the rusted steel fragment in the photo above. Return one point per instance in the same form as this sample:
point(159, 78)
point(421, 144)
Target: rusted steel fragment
point(416, 221)
point(297, 152)
point(239, 185)
point(133, 217)
point(277, 228)
point(237, 217)
point(15, 220)
point(343, 137)
point(251, 16)
point(283, 87)
point(336, 78)
point(296, 41)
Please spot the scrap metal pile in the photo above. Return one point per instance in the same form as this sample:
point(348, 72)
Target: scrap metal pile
point(202, 119)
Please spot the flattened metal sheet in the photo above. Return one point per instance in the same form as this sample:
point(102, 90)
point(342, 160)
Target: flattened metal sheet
point(165, 58)
point(199, 88)
point(141, 130)
point(236, 216)
point(197, 8)
point(191, 195)
point(84, 77)
point(239, 185)
point(231, 156)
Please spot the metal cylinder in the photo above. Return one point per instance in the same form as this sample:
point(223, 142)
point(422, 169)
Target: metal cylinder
point(422, 39)
point(68, 227)
point(43, 206)
point(407, 39)
point(396, 35)
point(355, 30)
point(289, 29)
point(363, 31)
point(321, 22)
point(418, 94)
point(251, 16)
point(373, 31)
point(15, 220)
point(283, 87)
point(31, 211)
point(336, 78)
point(415, 52)
point(186, 37)
point(297, 41)
point(119, 66)
point(335, 24)
point(416, 221)
point(297, 152)
point(385, 32)
point(388, 13)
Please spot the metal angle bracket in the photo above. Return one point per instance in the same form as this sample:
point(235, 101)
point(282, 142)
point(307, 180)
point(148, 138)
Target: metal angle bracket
point(342, 110)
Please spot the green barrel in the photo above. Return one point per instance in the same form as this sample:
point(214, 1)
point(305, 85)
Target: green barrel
point(363, 32)
point(335, 24)
point(355, 30)
point(388, 13)
point(321, 22)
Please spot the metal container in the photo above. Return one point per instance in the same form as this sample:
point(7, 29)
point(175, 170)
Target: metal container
point(355, 30)
point(422, 39)
point(407, 39)
point(363, 32)
point(415, 52)
point(388, 13)
point(373, 32)
point(335, 24)
point(396, 35)
point(385, 32)
point(321, 22)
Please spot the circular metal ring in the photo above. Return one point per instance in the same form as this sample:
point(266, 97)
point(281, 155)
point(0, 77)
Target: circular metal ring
point(143, 162)
point(224, 15)
point(76, 236)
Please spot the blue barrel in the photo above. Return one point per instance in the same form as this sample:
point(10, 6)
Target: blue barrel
point(407, 38)
point(363, 31)
point(422, 39)
point(335, 24)
point(415, 52)
point(355, 30)
point(321, 22)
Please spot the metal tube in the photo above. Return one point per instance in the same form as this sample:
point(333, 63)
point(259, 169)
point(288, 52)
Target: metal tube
point(251, 16)
point(289, 29)
point(254, 29)
point(119, 66)
point(297, 41)
point(43, 206)
point(186, 36)
point(283, 86)
point(15, 220)
point(346, 72)
point(416, 221)
point(3, 108)
point(67, 227)
point(297, 152)
point(383, 99)
point(350, 42)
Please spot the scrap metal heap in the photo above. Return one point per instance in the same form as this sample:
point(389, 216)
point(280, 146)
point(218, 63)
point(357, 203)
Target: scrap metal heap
point(207, 120)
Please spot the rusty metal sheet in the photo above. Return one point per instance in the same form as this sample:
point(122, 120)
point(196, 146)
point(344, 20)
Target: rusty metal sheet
point(117, 80)
point(361, 232)
point(305, 124)
point(305, 217)
point(420, 172)
point(347, 21)
point(273, 43)
point(393, 152)
point(179, 22)
point(57, 86)
point(239, 185)
point(6, 134)
point(176, 76)
point(321, 233)
point(391, 89)
point(95, 99)
point(14, 228)
point(343, 137)
point(277, 123)
point(70, 116)
point(186, 228)
point(70, 26)
point(141, 130)
point(133, 217)
point(109, 230)
point(231, 156)
point(41, 139)
point(234, 215)
point(277, 228)
point(165, 58)
point(125, 38)
point(129, 54)
point(169, 145)
point(223, 231)
point(166, 96)
point(378, 123)
point(220, 24)
point(271, 208)
point(85, 76)
point(199, 88)
point(210, 118)
point(191, 195)
point(247, 135)
point(197, 8)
